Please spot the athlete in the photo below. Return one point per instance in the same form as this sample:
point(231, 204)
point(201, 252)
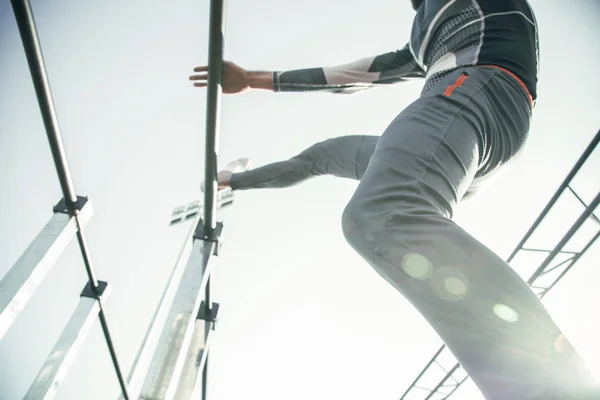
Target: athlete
point(479, 61)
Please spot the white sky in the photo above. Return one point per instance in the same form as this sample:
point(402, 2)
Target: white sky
point(302, 316)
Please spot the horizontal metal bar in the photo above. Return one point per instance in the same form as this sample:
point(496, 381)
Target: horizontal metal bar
point(56, 367)
point(142, 361)
point(191, 378)
point(167, 363)
point(28, 272)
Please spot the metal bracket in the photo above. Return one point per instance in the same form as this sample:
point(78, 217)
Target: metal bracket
point(63, 208)
point(211, 315)
point(215, 236)
point(88, 291)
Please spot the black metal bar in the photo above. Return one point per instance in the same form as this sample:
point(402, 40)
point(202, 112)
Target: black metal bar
point(433, 359)
point(85, 254)
point(33, 52)
point(213, 111)
point(582, 218)
point(588, 151)
point(112, 351)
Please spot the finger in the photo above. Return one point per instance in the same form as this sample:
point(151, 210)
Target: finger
point(198, 77)
point(203, 68)
point(200, 84)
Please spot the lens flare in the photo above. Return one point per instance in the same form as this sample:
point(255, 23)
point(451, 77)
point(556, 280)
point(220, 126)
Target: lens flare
point(417, 266)
point(506, 313)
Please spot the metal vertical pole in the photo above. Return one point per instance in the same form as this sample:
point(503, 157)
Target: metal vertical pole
point(213, 112)
point(33, 52)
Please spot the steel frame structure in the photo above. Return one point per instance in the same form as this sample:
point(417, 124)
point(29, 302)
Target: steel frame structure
point(70, 216)
point(558, 261)
point(173, 358)
point(172, 361)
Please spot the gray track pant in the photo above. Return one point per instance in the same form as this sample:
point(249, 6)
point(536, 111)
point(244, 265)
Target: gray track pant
point(398, 220)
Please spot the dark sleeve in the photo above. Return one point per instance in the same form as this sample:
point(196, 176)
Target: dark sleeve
point(384, 69)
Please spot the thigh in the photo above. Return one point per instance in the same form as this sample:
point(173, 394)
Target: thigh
point(469, 125)
point(428, 155)
point(343, 156)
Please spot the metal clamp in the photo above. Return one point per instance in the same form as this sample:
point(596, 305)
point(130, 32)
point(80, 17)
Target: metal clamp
point(92, 293)
point(215, 236)
point(63, 208)
point(208, 314)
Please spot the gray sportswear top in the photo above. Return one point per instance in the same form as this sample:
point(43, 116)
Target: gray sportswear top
point(446, 34)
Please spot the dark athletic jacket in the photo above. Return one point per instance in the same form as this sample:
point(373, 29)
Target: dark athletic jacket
point(446, 34)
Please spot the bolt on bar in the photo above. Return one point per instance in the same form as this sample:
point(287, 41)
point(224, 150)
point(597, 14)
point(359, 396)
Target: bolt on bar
point(33, 51)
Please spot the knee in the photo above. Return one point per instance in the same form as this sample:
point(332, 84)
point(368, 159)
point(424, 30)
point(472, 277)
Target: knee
point(374, 228)
point(361, 226)
point(351, 227)
point(313, 160)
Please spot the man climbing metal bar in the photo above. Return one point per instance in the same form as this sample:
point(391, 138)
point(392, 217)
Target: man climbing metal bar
point(479, 59)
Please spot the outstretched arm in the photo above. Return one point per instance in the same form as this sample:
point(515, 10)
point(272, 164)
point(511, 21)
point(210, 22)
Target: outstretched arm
point(388, 68)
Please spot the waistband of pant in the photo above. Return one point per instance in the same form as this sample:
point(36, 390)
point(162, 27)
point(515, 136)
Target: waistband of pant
point(516, 78)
